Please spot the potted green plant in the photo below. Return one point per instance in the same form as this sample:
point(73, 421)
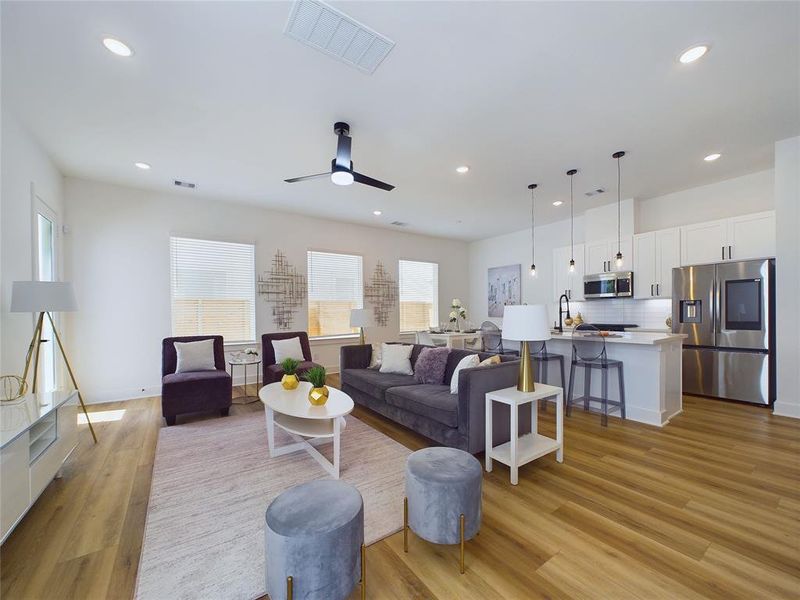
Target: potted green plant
point(289, 381)
point(319, 392)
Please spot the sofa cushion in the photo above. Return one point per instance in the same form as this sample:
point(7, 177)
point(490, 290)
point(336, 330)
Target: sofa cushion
point(374, 382)
point(434, 402)
point(195, 384)
point(302, 367)
point(430, 365)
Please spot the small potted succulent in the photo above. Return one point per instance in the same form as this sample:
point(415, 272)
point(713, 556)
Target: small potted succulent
point(319, 392)
point(289, 381)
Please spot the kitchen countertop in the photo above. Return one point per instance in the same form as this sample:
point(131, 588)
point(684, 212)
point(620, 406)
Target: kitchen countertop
point(646, 338)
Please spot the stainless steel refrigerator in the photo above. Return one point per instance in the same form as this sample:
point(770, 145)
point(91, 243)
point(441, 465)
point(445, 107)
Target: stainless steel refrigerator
point(728, 312)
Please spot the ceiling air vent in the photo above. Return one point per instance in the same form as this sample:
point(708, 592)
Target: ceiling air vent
point(328, 30)
point(596, 192)
point(399, 224)
point(186, 184)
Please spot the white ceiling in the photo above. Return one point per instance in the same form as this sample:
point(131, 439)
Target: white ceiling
point(217, 95)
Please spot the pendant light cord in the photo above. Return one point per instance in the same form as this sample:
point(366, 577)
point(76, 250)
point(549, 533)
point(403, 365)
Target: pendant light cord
point(533, 247)
point(571, 221)
point(619, 210)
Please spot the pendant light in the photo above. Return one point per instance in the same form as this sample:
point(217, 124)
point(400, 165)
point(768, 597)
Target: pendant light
point(571, 174)
point(532, 187)
point(619, 155)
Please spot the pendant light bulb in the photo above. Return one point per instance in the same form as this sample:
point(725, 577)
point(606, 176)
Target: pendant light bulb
point(571, 265)
point(533, 270)
point(619, 260)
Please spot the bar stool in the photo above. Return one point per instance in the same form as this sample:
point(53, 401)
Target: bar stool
point(589, 352)
point(541, 357)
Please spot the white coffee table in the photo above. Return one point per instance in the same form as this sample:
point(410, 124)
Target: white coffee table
point(291, 411)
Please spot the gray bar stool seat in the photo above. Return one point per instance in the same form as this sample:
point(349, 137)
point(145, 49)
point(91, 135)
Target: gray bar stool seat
point(541, 357)
point(315, 542)
point(589, 352)
point(443, 497)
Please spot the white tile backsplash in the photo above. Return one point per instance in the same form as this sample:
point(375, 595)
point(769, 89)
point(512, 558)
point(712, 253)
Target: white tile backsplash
point(648, 314)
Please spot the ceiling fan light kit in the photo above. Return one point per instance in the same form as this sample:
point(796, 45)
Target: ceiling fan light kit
point(342, 172)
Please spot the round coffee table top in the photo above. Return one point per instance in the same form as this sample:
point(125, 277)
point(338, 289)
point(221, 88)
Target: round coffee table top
point(295, 402)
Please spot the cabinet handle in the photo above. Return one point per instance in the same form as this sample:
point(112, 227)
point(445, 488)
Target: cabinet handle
point(651, 289)
point(569, 294)
point(730, 254)
point(658, 293)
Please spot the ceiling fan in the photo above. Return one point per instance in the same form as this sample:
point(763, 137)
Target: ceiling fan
point(341, 172)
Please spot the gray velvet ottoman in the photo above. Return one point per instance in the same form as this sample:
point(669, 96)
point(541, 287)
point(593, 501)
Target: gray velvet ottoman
point(443, 497)
point(315, 542)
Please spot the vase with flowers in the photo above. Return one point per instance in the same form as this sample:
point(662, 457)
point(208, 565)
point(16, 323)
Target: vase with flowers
point(458, 315)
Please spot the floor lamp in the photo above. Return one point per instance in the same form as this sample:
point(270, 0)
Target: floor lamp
point(360, 317)
point(45, 298)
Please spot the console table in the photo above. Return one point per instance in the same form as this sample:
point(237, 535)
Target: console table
point(37, 434)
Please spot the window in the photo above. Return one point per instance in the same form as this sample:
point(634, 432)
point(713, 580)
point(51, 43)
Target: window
point(419, 295)
point(335, 286)
point(213, 289)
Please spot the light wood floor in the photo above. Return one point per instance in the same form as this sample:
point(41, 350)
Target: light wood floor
point(708, 507)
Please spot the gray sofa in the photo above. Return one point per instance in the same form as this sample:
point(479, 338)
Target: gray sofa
point(455, 420)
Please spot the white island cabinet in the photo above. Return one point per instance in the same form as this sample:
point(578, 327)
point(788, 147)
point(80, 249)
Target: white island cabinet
point(38, 433)
point(652, 373)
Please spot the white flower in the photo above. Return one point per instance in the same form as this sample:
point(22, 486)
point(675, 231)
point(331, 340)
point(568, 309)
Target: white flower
point(456, 302)
point(453, 314)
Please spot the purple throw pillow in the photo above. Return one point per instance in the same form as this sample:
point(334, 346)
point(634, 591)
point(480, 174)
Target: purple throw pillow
point(431, 365)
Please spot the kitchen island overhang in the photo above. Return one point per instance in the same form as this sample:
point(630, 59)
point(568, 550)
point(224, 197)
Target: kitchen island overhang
point(652, 374)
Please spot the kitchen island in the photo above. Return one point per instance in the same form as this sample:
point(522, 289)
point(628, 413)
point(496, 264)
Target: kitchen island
point(652, 373)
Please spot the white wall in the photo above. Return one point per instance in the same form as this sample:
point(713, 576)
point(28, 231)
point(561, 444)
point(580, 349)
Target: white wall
point(25, 166)
point(729, 198)
point(787, 267)
point(117, 255)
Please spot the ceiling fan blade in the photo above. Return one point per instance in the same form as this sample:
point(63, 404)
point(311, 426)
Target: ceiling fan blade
point(343, 152)
point(359, 178)
point(307, 177)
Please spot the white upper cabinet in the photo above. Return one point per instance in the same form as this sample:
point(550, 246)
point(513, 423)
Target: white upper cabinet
point(751, 236)
point(654, 256)
point(600, 256)
point(563, 280)
point(737, 238)
point(703, 242)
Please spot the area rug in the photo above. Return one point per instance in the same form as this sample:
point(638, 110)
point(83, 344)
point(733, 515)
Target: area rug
point(212, 482)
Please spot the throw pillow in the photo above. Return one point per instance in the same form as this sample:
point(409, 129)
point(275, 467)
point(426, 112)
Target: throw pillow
point(468, 362)
point(431, 365)
point(375, 360)
point(195, 356)
point(396, 358)
point(492, 360)
point(288, 348)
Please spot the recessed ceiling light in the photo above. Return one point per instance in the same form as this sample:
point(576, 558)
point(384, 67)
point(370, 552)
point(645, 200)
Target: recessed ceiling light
point(557, 203)
point(377, 213)
point(692, 54)
point(117, 47)
point(462, 169)
point(712, 157)
point(142, 165)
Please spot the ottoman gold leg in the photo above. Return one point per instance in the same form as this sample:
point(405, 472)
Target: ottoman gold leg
point(461, 528)
point(289, 586)
point(363, 572)
point(405, 524)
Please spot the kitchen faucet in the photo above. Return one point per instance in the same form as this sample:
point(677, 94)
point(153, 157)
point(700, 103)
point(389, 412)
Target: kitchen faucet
point(561, 312)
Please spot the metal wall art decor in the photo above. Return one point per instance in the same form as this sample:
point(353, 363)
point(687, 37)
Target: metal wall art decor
point(284, 288)
point(381, 292)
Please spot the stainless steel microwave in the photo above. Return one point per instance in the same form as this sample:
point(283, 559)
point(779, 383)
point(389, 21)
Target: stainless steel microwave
point(608, 285)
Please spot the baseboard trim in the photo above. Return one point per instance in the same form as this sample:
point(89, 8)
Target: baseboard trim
point(786, 409)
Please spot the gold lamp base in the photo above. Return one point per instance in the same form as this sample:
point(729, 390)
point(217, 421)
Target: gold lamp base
point(525, 381)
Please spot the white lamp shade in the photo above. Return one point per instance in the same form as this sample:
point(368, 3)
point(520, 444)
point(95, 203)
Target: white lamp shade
point(42, 296)
point(528, 322)
point(360, 317)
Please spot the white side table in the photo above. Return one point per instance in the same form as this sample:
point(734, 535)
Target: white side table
point(522, 450)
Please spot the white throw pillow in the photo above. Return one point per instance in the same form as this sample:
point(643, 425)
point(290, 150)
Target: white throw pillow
point(375, 360)
point(468, 362)
point(288, 348)
point(195, 356)
point(396, 358)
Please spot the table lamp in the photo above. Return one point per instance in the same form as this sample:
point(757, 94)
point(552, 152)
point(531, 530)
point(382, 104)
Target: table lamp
point(526, 323)
point(45, 298)
point(360, 317)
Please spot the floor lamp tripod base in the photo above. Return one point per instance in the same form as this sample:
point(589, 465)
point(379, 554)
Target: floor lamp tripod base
point(33, 354)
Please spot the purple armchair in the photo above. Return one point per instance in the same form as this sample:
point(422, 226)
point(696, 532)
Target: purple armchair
point(273, 372)
point(196, 391)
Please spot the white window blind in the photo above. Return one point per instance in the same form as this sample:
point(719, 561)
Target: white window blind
point(419, 295)
point(213, 289)
point(335, 286)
